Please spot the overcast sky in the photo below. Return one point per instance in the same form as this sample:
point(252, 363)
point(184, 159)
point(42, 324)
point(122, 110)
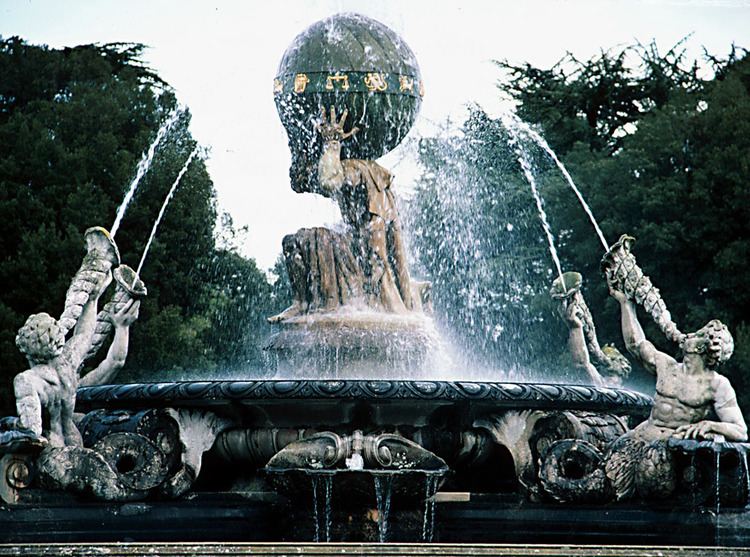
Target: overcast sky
point(221, 58)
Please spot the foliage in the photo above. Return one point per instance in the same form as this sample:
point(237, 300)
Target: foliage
point(597, 101)
point(658, 153)
point(474, 234)
point(73, 125)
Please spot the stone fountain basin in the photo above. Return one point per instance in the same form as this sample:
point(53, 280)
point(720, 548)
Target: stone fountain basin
point(361, 404)
point(356, 486)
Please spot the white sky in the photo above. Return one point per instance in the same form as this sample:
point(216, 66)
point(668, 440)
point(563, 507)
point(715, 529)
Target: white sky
point(221, 58)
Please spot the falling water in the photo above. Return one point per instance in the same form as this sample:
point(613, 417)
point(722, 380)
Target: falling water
point(314, 480)
point(517, 123)
point(164, 208)
point(328, 490)
point(523, 159)
point(383, 498)
point(143, 167)
point(718, 481)
point(488, 272)
point(746, 471)
point(428, 519)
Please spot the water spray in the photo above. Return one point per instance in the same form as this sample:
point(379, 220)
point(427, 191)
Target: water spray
point(517, 123)
point(528, 172)
point(167, 199)
point(143, 167)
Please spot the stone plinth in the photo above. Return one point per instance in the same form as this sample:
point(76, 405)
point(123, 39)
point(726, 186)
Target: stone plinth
point(363, 345)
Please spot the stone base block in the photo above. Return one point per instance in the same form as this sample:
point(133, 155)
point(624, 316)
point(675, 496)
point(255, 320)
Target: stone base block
point(362, 345)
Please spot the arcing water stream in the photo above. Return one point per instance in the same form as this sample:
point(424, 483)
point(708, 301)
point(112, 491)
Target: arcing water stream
point(143, 167)
point(514, 124)
point(472, 224)
point(170, 194)
point(526, 166)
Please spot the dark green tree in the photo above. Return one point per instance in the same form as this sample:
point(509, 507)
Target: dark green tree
point(597, 101)
point(658, 153)
point(73, 125)
point(475, 235)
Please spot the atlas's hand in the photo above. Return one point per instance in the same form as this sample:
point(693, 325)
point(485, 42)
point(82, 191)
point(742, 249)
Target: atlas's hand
point(701, 430)
point(127, 315)
point(333, 130)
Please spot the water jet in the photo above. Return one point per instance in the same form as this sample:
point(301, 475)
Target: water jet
point(357, 437)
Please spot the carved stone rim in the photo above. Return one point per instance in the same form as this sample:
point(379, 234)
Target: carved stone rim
point(495, 394)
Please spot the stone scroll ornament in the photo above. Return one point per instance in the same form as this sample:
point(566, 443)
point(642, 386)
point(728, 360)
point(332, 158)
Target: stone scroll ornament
point(328, 450)
point(623, 274)
point(358, 460)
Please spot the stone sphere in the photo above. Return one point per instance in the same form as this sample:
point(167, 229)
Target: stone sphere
point(354, 62)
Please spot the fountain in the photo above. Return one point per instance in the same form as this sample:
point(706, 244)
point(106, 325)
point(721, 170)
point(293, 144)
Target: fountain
point(358, 437)
point(143, 166)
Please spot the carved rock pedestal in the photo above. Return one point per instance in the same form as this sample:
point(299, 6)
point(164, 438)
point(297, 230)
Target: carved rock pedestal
point(363, 343)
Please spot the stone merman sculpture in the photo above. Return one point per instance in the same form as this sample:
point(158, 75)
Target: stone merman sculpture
point(50, 384)
point(686, 393)
point(583, 343)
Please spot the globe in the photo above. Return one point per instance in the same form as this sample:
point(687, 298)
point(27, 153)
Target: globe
point(351, 62)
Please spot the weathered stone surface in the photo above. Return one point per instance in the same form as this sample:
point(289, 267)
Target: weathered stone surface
point(80, 470)
point(531, 435)
point(572, 472)
point(198, 432)
point(368, 345)
point(429, 393)
point(349, 49)
point(17, 472)
point(139, 464)
point(128, 287)
point(120, 467)
point(624, 275)
point(158, 425)
point(101, 255)
point(46, 392)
